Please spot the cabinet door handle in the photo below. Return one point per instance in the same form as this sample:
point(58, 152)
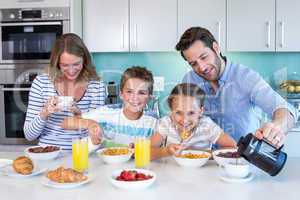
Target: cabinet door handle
point(268, 34)
point(282, 34)
point(136, 36)
point(123, 36)
point(219, 33)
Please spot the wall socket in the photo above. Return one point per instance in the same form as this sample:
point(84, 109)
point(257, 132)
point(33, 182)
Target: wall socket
point(159, 83)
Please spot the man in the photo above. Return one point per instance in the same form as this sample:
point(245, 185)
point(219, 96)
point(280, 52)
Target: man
point(236, 95)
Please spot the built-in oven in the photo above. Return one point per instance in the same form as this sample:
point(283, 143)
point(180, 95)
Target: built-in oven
point(27, 35)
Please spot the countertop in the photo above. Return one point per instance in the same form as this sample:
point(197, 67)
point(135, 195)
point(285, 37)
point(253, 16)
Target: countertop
point(173, 182)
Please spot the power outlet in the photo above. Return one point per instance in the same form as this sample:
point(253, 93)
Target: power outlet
point(159, 83)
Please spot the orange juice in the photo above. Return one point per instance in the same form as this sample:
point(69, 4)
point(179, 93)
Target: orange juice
point(142, 152)
point(80, 154)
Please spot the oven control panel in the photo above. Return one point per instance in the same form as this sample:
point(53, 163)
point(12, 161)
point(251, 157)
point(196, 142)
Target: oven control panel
point(35, 14)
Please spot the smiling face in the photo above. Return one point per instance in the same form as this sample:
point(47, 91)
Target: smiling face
point(135, 95)
point(185, 112)
point(70, 66)
point(204, 61)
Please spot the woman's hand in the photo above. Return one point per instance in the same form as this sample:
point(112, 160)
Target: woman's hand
point(174, 148)
point(95, 132)
point(75, 110)
point(50, 107)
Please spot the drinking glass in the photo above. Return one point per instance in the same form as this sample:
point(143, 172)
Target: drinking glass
point(142, 148)
point(80, 154)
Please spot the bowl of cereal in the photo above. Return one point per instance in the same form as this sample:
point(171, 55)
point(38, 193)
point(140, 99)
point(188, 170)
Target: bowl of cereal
point(115, 155)
point(43, 152)
point(192, 158)
point(225, 156)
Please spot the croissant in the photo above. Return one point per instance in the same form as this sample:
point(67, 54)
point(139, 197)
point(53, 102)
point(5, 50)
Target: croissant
point(23, 165)
point(62, 175)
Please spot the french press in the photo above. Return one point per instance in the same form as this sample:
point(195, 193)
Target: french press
point(262, 154)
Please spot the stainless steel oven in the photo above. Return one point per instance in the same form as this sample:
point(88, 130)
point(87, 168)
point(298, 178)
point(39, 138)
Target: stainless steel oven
point(14, 92)
point(27, 35)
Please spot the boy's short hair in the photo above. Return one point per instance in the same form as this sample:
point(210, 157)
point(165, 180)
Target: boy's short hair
point(187, 89)
point(137, 72)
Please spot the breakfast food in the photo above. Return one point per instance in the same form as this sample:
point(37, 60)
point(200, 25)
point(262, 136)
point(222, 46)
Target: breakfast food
point(46, 149)
point(115, 151)
point(132, 175)
point(230, 154)
point(291, 86)
point(23, 165)
point(62, 175)
point(193, 155)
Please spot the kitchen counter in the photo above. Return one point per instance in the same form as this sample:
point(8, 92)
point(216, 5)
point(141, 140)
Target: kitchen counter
point(173, 182)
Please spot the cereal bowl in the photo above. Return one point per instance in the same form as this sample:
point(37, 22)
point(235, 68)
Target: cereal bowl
point(133, 184)
point(115, 155)
point(224, 156)
point(42, 153)
point(192, 158)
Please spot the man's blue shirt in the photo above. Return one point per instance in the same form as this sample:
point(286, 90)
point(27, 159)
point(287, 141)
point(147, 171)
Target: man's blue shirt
point(240, 99)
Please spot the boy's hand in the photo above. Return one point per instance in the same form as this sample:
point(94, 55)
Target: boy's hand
point(174, 148)
point(95, 132)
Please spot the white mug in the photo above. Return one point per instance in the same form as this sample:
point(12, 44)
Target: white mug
point(65, 102)
point(237, 170)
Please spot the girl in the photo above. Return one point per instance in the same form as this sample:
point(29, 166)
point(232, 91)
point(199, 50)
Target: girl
point(186, 126)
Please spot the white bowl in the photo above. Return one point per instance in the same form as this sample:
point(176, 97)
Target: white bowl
point(222, 160)
point(237, 170)
point(192, 162)
point(42, 156)
point(114, 159)
point(132, 185)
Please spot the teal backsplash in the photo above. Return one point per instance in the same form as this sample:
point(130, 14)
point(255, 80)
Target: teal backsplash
point(171, 66)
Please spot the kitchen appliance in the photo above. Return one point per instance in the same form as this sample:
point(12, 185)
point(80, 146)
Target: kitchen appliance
point(27, 34)
point(26, 39)
point(262, 154)
point(112, 90)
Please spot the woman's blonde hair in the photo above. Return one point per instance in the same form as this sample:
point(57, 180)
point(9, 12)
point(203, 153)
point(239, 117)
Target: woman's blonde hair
point(72, 44)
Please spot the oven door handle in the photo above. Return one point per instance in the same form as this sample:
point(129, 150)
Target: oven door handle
point(15, 89)
point(31, 23)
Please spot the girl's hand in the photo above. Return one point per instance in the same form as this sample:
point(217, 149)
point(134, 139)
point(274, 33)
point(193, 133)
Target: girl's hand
point(95, 132)
point(50, 107)
point(174, 148)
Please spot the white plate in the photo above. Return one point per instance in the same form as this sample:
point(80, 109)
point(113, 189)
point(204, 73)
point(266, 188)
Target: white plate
point(4, 162)
point(226, 178)
point(47, 182)
point(9, 171)
point(132, 185)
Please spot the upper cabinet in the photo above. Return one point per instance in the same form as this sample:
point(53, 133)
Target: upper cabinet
point(130, 25)
point(106, 25)
point(153, 25)
point(288, 25)
point(210, 14)
point(250, 25)
point(269, 25)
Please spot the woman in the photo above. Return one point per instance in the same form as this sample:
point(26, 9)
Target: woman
point(70, 73)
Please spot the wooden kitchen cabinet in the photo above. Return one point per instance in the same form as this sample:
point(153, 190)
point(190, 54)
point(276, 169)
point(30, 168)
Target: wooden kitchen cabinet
point(210, 14)
point(269, 25)
point(106, 25)
point(130, 25)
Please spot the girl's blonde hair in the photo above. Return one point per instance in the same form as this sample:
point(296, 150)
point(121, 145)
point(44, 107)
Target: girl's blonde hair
point(72, 44)
point(187, 89)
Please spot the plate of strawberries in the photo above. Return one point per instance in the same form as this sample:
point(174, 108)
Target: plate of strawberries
point(132, 179)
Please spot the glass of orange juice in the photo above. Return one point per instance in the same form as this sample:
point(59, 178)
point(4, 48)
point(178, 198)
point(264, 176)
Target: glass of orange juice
point(142, 148)
point(80, 154)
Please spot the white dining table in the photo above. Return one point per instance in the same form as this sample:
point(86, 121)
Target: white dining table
point(173, 182)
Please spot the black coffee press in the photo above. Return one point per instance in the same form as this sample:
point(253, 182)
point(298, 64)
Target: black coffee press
point(262, 154)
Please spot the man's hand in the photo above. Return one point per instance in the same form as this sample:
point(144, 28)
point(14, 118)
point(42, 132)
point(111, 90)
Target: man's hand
point(272, 133)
